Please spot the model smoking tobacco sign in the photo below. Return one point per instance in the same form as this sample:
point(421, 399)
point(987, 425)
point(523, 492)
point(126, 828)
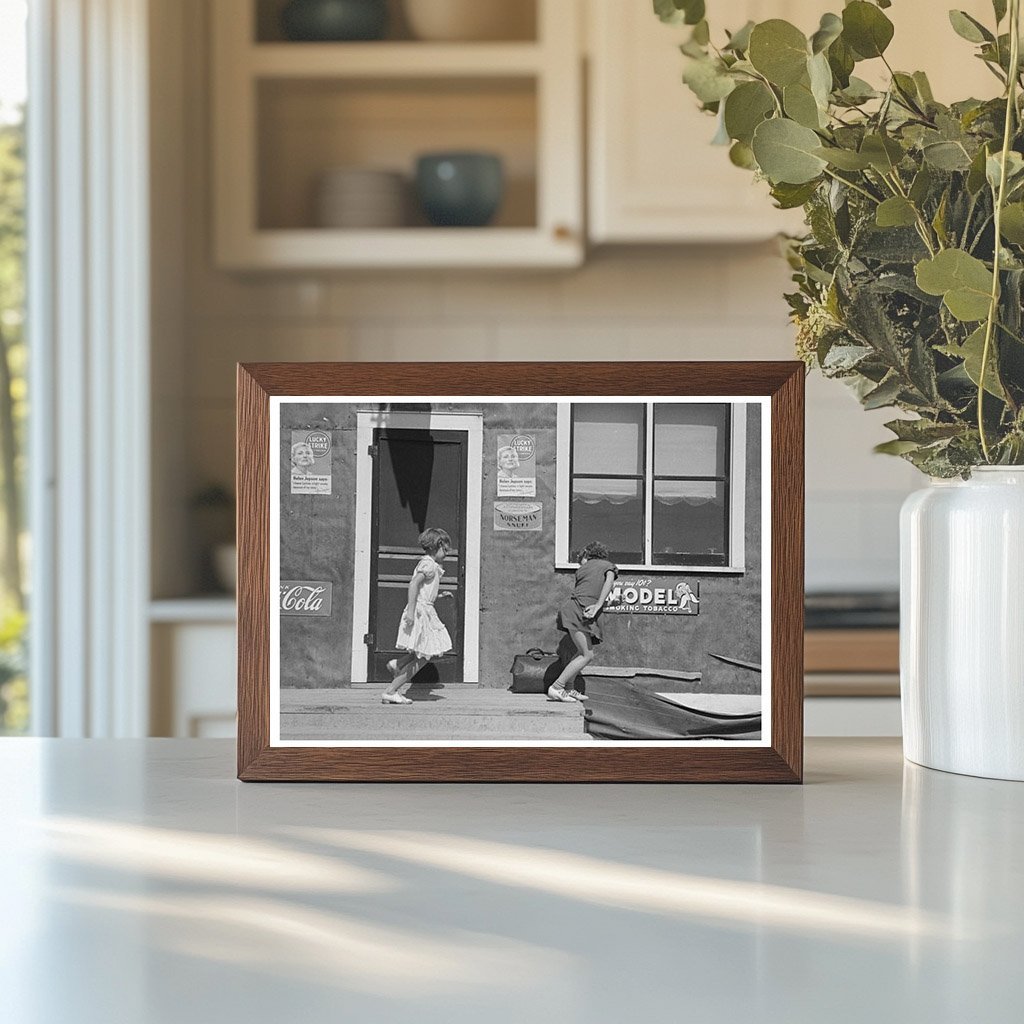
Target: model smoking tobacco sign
point(646, 596)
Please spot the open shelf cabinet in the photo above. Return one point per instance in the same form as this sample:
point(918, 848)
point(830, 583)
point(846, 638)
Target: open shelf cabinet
point(285, 113)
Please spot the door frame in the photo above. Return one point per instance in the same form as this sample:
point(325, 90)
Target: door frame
point(472, 425)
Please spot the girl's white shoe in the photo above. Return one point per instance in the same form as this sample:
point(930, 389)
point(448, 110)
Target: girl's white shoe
point(394, 698)
point(562, 696)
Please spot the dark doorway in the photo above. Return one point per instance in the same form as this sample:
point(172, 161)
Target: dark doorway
point(419, 481)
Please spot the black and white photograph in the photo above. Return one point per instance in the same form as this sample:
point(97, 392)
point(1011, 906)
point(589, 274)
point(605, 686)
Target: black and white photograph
point(550, 572)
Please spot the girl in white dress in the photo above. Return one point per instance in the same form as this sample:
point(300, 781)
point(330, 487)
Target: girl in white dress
point(421, 633)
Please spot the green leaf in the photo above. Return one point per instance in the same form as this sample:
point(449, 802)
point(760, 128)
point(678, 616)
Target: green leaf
point(820, 76)
point(999, 7)
point(742, 155)
point(939, 220)
point(1014, 169)
point(676, 12)
point(895, 447)
point(976, 174)
point(963, 281)
point(968, 28)
point(858, 91)
point(844, 159)
point(829, 30)
point(1012, 224)
point(883, 153)
point(701, 33)
point(785, 152)
point(707, 80)
point(946, 156)
point(885, 394)
point(841, 60)
point(896, 212)
point(778, 50)
point(866, 29)
point(800, 105)
point(921, 185)
point(924, 88)
point(739, 41)
point(745, 108)
point(971, 352)
point(923, 431)
point(789, 197)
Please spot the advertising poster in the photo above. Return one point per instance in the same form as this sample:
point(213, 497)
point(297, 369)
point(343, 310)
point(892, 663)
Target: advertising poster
point(311, 462)
point(517, 466)
point(644, 596)
point(518, 515)
point(305, 597)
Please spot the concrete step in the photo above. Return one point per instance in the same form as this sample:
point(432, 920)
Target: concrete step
point(448, 713)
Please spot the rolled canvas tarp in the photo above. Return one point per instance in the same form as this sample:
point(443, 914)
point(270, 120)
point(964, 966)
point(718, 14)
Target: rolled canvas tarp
point(622, 709)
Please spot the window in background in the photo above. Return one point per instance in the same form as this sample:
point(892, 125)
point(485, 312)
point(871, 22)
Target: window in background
point(14, 694)
point(652, 482)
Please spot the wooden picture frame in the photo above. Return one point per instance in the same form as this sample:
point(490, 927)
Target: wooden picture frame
point(778, 386)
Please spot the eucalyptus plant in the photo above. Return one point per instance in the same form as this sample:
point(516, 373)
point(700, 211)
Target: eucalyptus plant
point(910, 278)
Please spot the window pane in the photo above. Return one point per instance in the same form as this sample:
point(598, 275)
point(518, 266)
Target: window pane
point(608, 439)
point(690, 440)
point(690, 523)
point(14, 546)
point(609, 511)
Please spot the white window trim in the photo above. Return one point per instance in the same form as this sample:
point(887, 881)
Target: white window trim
point(89, 337)
point(472, 425)
point(737, 494)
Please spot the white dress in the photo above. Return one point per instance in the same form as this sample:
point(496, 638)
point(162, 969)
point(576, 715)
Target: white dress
point(426, 635)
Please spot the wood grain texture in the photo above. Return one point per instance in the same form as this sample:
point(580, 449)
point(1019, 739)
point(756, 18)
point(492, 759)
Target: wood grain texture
point(782, 762)
point(852, 650)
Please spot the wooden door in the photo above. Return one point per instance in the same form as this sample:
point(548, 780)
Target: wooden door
point(419, 481)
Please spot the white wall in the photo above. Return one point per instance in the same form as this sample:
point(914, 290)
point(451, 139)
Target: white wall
point(656, 303)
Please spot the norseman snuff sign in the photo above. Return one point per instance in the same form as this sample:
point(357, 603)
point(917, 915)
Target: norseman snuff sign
point(518, 515)
point(645, 596)
point(305, 597)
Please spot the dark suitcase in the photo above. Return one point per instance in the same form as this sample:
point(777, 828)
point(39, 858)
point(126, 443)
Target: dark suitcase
point(534, 671)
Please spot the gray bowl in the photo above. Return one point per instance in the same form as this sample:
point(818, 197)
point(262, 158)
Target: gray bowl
point(334, 20)
point(460, 189)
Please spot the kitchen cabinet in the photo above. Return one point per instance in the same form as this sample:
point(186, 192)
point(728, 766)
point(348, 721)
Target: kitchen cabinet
point(287, 113)
point(653, 175)
point(192, 648)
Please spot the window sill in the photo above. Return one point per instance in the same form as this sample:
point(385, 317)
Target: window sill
point(653, 570)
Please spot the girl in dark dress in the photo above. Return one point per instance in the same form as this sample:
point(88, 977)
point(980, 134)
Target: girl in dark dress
point(579, 617)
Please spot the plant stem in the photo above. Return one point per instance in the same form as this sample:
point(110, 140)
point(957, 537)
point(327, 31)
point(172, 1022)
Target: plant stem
point(855, 187)
point(922, 225)
point(993, 309)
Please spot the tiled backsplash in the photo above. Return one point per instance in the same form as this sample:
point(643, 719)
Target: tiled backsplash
point(700, 303)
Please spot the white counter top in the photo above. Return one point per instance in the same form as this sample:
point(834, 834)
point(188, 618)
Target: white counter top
point(142, 884)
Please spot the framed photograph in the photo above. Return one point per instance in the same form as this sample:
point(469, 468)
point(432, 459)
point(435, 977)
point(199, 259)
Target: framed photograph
point(520, 572)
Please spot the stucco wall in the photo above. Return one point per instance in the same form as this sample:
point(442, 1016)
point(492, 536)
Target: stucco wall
point(520, 590)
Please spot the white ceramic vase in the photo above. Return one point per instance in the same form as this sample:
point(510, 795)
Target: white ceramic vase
point(962, 624)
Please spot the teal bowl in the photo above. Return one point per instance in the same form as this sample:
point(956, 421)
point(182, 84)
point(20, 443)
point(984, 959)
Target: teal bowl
point(460, 190)
point(334, 21)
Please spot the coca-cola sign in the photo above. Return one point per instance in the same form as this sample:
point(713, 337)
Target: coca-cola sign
point(305, 597)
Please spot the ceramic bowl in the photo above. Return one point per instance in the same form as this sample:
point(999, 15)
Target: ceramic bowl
point(460, 189)
point(334, 20)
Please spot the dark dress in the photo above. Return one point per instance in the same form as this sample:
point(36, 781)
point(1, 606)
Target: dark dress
point(589, 583)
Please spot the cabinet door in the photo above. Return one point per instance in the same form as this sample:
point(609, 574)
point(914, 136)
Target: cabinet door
point(653, 174)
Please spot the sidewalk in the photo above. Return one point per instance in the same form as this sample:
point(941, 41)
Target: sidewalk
point(454, 712)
